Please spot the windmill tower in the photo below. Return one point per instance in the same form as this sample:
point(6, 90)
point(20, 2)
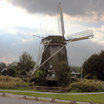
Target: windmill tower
point(54, 48)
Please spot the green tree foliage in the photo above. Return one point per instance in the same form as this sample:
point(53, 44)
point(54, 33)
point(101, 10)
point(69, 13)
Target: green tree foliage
point(23, 73)
point(2, 66)
point(12, 69)
point(21, 68)
point(62, 74)
point(93, 67)
point(26, 62)
point(40, 77)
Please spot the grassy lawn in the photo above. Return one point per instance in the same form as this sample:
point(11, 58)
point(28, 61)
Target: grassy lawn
point(97, 98)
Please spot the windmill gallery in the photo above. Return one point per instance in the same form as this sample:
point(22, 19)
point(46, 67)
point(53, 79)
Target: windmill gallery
point(54, 50)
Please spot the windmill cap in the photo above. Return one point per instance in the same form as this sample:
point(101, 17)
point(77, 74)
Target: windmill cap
point(55, 39)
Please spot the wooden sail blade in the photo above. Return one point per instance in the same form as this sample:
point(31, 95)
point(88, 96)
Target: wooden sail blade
point(81, 36)
point(61, 21)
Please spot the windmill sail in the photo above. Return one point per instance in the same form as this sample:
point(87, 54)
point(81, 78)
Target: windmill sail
point(61, 21)
point(80, 36)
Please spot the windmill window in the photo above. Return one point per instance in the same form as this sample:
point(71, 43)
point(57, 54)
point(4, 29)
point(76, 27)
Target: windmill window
point(50, 66)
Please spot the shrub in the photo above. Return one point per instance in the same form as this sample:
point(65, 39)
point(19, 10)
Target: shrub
point(7, 82)
point(87, 86)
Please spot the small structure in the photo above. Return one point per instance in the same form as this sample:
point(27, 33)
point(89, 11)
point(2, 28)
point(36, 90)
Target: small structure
point(74, 74)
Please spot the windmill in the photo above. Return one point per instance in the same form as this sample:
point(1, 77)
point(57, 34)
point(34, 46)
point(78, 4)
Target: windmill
point(54, 48)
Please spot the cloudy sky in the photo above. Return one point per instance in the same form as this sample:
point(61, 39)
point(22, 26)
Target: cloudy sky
point(20, 19)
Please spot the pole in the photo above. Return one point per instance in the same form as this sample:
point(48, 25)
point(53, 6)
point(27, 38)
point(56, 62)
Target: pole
point(81, 73)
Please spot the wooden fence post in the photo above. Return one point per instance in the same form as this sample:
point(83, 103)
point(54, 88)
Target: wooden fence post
point(24, 97)
point(3, 94)
point(36, 98)
point(52, 100)
point(73, 102)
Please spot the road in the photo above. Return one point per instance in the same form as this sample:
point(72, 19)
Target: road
point(9, 100)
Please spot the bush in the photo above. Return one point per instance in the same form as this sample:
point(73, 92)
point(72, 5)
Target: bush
point(7, 82)
point(87, 86)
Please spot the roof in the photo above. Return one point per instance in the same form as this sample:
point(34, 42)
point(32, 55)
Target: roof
point(74, 73)
point(55, 39)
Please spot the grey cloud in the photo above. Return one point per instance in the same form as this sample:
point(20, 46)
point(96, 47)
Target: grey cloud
point(70, 7)
point(79, 51)
point(11, 46)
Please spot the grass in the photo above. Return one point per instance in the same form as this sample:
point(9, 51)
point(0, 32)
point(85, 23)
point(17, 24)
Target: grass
point(97, 98)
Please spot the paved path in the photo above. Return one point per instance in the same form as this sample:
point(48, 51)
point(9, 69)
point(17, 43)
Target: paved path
point(55, 93)
point(9, 100)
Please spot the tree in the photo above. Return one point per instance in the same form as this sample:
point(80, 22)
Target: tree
point(93, 67)
point(12, 69)
point(40, 77)
point(62, 70)
point(26, 62)
point(2, 66)
point(63, 74)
